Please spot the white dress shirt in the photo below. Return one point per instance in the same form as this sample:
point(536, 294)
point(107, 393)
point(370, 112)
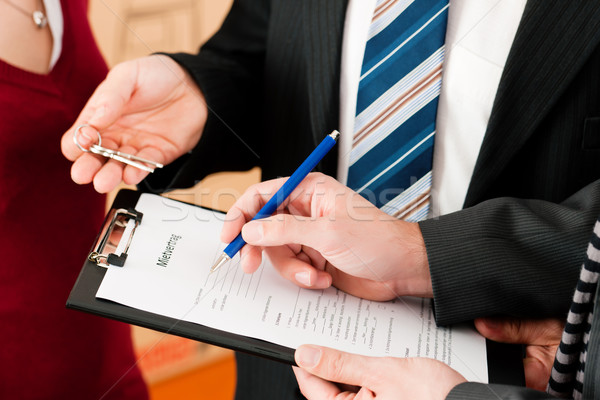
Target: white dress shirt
point(56, 24)
point(478, 38)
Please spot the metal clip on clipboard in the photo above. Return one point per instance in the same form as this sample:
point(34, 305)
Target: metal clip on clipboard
point(111, 247)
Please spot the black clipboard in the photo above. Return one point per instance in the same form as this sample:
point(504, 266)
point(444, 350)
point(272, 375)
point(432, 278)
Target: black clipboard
point(505, 364)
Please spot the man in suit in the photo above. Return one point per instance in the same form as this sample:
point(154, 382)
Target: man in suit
point(358, 255)
point(266, 88)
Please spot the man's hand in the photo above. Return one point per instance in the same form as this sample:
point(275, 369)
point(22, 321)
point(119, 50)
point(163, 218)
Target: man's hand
point(542, 338)
point(328, 234)
point(149, 107)
point(326, 373)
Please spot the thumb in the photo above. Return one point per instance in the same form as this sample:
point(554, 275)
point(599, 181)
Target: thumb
point(332, 365)
point(103, 108)
point(110, 98)
point(521, 331)
point(284, 229)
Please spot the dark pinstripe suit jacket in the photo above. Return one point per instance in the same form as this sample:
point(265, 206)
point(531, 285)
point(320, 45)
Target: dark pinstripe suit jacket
point(271, 80)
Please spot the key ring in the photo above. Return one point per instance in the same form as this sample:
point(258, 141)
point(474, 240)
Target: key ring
point(78, 132)
point(129, 159)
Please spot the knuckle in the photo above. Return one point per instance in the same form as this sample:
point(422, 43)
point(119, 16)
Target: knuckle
point(334, 366)
point(331, 226)
point(320, 178)
point(281, 226)
point(250, 198)
point(318, 175)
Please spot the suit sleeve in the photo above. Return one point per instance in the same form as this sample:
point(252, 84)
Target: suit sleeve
point(480, 391)
point(229, 72)
point(509, 256)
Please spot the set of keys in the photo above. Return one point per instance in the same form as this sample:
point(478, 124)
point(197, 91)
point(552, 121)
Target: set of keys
point(129, 159)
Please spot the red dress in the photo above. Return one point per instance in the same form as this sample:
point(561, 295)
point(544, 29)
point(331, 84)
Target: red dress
point(47, 225)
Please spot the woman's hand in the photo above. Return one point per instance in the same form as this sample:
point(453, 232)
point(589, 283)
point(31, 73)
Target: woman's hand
point(149, 107)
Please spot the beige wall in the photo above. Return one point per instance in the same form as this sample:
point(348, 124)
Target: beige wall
point(127, 29)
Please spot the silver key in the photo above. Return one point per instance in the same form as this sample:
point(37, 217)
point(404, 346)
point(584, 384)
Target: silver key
point(129, 159)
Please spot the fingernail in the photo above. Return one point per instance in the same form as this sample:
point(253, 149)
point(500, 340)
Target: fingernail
point(84, 138)
point(308, 356)
point(323, 281)
point(252, 232)
point(243, 261)
point(303, 278)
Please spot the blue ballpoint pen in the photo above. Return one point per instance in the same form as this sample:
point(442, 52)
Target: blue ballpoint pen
point(274, 202)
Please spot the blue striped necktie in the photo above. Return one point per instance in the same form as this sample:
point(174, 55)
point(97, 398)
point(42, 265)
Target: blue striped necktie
point(392, 149)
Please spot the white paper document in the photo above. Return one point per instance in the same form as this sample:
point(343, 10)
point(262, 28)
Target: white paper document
point(167, 272)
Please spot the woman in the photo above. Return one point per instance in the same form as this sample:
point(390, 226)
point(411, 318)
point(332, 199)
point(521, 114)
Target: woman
point(49, 66)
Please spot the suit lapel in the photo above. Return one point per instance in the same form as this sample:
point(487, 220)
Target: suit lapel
point(554, 39)
point(323, 34)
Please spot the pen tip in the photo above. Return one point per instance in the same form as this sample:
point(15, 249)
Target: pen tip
point(222, 260)
point(335, 134)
